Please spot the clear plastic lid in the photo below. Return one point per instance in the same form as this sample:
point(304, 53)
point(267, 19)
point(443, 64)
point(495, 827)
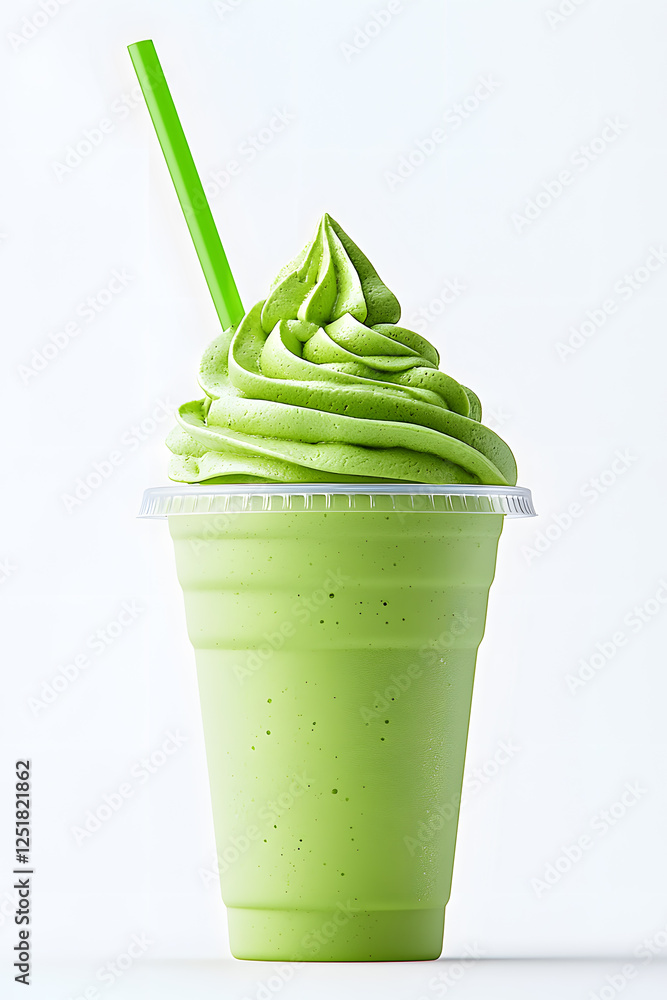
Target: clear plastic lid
point(163, 501)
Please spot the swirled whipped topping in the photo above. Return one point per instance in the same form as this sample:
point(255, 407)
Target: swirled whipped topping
point(318, 383)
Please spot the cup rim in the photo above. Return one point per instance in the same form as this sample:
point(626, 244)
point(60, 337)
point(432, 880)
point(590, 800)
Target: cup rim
point(181, 498)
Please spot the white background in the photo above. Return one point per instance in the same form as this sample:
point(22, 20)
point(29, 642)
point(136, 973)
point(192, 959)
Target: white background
point(559, 591)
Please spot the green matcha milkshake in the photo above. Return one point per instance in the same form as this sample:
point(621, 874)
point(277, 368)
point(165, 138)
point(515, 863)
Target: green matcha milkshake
point(335, 544)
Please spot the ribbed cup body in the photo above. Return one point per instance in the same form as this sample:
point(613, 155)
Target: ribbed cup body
point(335, 655)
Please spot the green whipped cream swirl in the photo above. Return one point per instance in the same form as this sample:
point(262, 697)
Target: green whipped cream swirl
point(319, 384)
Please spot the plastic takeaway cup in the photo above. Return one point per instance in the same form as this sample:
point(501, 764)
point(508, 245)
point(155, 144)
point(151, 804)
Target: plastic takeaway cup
point(335, 630)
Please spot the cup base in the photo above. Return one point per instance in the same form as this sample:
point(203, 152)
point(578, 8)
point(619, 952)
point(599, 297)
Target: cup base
point(339, 934)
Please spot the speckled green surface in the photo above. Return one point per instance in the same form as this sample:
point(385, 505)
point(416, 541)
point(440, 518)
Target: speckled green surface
point(335, 655)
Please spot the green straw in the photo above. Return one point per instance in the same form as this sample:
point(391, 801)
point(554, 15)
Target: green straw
point(188, 186)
